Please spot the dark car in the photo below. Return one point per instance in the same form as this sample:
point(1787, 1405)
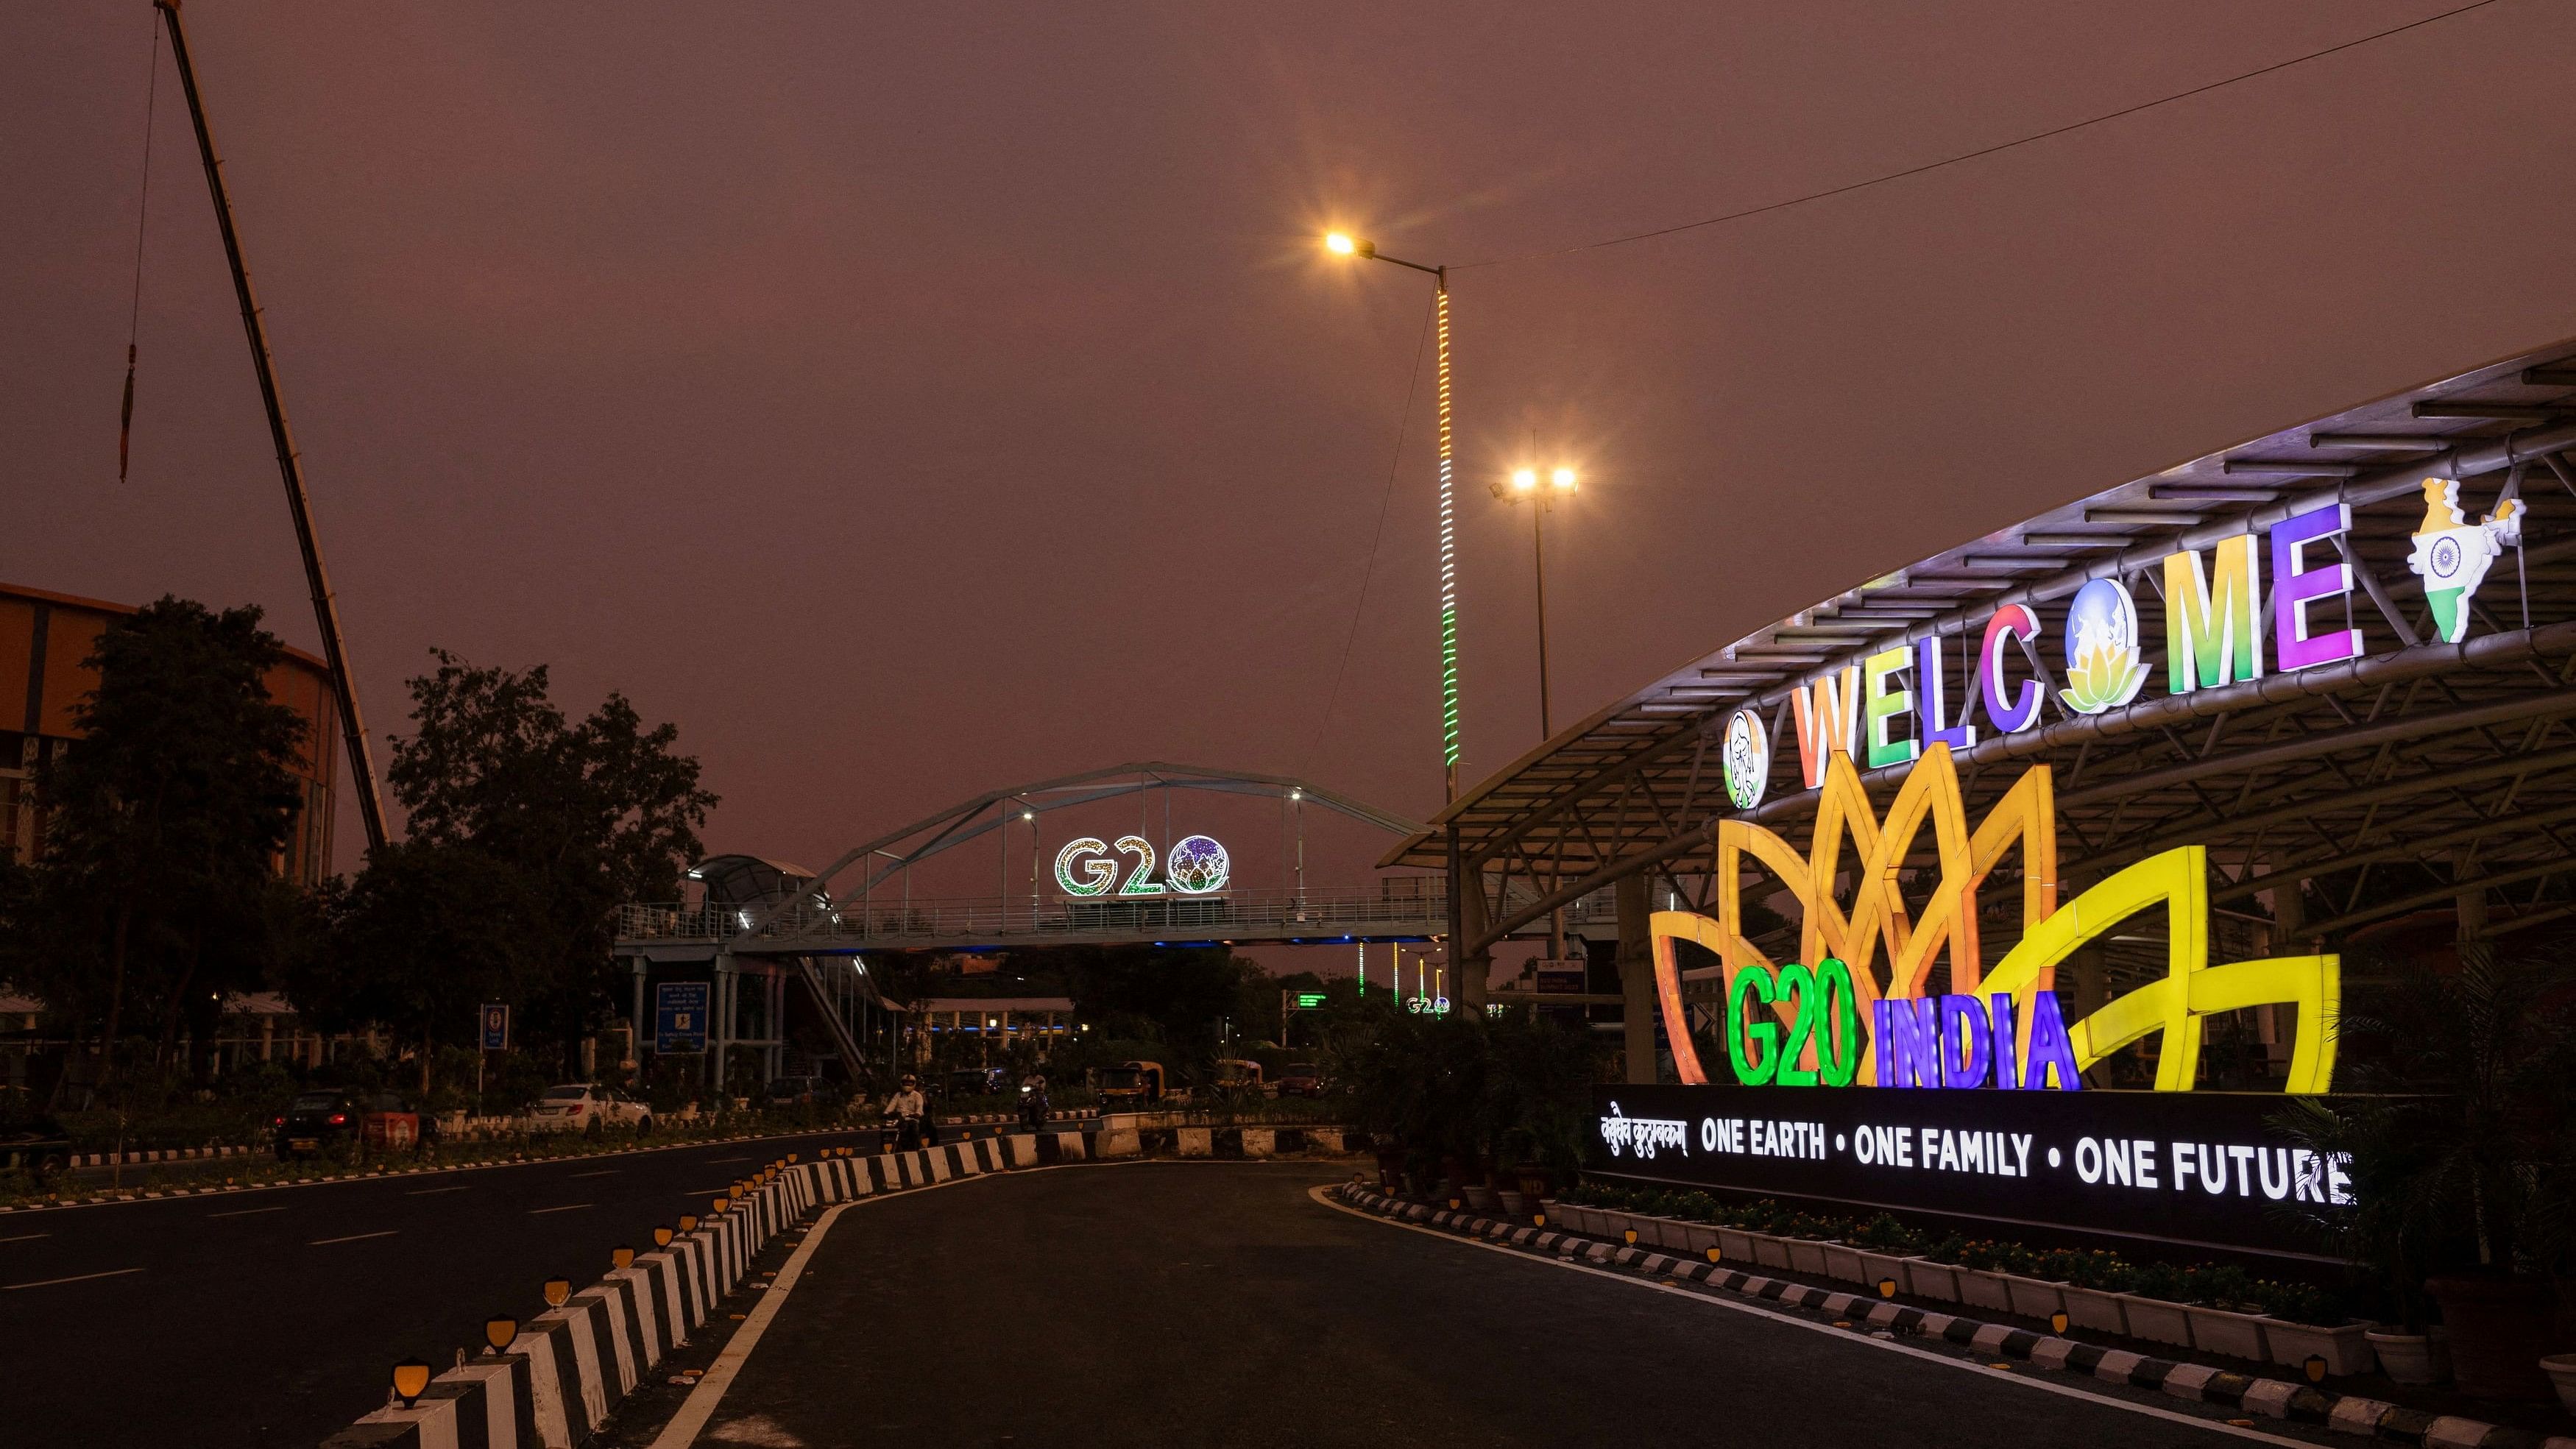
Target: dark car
point(1300, 1081)
point(39, 1147)
point(315, 1122)
point(817, 1090)
point(978, 1082)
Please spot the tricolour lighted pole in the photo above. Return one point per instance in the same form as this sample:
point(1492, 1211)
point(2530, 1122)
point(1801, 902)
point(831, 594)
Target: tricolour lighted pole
point(1349, 246)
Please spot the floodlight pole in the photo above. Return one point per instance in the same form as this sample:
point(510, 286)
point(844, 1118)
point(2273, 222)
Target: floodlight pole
point(326, 610)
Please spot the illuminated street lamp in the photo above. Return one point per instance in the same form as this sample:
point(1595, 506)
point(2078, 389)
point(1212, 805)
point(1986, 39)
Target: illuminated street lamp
point(1344, 245)
point(1561, 483)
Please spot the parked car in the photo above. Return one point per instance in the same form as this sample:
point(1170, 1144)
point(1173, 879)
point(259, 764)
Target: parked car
point(315, 1122)
point(383, 1121)
point(588, 1108)
point(1299, 1080)
point(978, 1082)
point(808, 1088)
point(39, 1147)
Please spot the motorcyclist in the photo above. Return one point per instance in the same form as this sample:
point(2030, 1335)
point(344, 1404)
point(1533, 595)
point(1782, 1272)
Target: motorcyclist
point(1033, 1099)
point(909, 1111)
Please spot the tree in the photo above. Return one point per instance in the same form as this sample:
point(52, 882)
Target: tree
point(156, 888)
point(561, 822)
point(422, 936)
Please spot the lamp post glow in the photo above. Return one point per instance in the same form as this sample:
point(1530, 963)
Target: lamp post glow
point(1561, 483)
point(1345, 245)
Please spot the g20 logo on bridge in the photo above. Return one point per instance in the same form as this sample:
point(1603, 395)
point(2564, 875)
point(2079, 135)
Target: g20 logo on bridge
point(1087, 867)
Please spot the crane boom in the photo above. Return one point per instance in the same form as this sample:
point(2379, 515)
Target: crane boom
point(326, 609)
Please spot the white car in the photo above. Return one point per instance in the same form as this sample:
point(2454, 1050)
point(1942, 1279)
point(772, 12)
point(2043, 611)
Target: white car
point(587, 1107)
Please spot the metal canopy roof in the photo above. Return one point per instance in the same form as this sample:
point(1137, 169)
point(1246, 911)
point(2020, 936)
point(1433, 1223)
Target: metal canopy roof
point(2402, 774)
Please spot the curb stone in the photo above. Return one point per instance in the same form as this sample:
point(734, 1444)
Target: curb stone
point(2271, 1398)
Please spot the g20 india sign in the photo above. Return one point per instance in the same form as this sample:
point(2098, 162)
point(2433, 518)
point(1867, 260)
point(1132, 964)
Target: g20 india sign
point(1085, 867)
point(1843, 1022)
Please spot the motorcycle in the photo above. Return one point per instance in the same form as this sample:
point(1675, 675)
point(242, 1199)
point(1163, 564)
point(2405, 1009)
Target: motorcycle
point(1033, 1107)
point(902, 1132)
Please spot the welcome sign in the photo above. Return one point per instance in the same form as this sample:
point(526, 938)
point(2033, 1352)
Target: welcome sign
point(2282, 600)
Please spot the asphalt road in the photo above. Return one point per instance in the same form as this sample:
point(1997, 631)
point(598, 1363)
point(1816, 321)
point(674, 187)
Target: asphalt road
point(1202, 1303)
point(272, 1316)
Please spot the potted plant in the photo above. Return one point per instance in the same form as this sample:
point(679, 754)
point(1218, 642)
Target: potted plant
point(1935, 1272)
point(1981, 1285)
point(2301, 1320)
point(2091, 1284)
point(2152, 1309)
point(2459, 1164)
point(2216, 1299)
point(1882, 1245)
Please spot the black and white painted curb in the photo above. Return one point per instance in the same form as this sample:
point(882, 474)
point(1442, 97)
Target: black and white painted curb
point(103, 1197)
point(570, 1366)
point(2271, 1398)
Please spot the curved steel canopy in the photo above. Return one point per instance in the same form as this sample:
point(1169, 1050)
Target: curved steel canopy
point(2418, 775)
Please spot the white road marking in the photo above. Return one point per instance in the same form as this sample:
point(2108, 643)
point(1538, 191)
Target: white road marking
point(1975, 1366)
point(434, 1191)
point(25, 1238)
point(75, 1278)
point(247, 1212)
point(571, 1208)
point(603, 1172)
point(716, 1161)
point(352, 1238)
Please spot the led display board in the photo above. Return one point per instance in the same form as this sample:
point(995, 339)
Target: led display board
point(2205, 1168)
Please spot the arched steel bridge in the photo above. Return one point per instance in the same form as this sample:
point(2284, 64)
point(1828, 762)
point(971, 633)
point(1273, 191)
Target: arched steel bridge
point(863, 900)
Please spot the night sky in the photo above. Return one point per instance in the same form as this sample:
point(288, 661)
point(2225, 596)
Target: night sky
point(911, 400)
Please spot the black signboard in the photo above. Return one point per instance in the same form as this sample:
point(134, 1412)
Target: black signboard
point(2201, 1168)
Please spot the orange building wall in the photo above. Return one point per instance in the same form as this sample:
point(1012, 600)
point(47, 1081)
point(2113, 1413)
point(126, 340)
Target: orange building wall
point(34, 710)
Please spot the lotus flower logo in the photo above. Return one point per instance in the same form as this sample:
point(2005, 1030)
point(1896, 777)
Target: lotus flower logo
point(2103, 670)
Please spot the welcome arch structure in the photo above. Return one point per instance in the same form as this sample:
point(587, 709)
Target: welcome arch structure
point(2398, 759)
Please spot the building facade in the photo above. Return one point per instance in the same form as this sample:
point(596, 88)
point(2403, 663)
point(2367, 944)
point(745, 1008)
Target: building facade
point(44, 639)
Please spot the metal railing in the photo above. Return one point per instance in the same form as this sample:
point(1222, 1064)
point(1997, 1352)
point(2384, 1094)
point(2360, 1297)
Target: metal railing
point(1266, 915)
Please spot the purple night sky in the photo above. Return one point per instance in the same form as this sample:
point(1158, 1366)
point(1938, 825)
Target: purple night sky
point(911, 400)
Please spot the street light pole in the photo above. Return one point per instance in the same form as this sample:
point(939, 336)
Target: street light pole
point(1524, 489)
point(1348, 246)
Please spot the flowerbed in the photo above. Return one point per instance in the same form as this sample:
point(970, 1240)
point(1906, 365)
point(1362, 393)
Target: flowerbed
point(2220, 1308)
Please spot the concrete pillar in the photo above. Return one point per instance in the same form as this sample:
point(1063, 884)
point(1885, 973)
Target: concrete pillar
point(1466, 972)
point(1634, 899)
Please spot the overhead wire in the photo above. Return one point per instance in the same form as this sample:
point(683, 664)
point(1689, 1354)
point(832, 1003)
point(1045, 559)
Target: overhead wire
point(142, 213)
point(1386, 499)
point(1983, 151)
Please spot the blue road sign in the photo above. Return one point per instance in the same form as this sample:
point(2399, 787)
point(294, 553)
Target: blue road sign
point(496, 1026)
point(680, 1016)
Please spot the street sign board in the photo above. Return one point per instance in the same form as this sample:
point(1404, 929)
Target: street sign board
point(1309, 1000)
point(1561, 977)
point(496, 1026)
point(680, 1016)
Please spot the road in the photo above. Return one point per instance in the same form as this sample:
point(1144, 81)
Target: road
point(1204, 1303)
point(272, 1316)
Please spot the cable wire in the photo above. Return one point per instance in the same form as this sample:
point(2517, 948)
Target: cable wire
point(1412, 387)
point(142, 213)
point(1982, 151)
